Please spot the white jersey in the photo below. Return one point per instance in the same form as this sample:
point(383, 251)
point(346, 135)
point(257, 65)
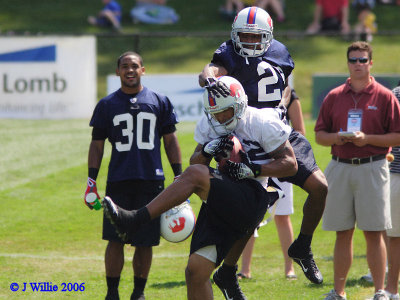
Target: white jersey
point(260, 131)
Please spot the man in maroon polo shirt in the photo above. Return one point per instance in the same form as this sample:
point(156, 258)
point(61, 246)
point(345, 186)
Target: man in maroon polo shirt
point(359, 120)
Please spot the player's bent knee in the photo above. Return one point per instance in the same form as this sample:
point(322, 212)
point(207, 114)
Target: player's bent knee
point(197, 174)
point(317, 184)
point(198, 269)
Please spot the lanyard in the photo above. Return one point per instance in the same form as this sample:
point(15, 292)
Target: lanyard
point(354, 100)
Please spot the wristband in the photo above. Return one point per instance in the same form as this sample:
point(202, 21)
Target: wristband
point(93, 172)
point(177, 169)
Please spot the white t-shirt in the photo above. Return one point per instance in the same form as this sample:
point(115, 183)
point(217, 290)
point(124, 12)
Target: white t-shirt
point(260, 131)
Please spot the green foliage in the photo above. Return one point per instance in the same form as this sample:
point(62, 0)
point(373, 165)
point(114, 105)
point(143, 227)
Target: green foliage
point(47, 233)
point(49, 16)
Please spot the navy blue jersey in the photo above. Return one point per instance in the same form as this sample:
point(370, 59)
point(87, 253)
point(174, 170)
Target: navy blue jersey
point(134, 128)
point(263, 78)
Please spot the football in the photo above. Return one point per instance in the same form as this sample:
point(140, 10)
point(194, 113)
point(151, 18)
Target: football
point(177, 224)
point(234, 155)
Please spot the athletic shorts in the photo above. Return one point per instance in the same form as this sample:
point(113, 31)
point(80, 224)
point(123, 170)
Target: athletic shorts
point(233, 209)
point(394, 205)
point(357, 194)
point(134, 194)
point(305, 159)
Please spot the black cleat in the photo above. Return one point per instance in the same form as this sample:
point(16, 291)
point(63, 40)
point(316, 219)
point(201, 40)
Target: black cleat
point(228, 285)
point(307, 264)
point(112, 295)
point(122, 219)
point(137, 296)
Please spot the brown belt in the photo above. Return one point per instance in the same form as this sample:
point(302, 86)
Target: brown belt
point(359, 161)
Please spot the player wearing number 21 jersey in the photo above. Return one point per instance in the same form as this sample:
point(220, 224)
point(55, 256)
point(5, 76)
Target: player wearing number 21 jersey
point(264, 77)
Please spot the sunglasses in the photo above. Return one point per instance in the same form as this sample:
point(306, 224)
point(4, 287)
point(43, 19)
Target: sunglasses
point(353, 60)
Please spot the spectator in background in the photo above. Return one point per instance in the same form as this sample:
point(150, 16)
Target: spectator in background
point(366, 20)
point(272, 6)
point(392, 239)
point(358, 174)
point(284, 207)
point(109, 16)
point(232, 7)
point(330, 15)
point(153, 12)
point(393, 234)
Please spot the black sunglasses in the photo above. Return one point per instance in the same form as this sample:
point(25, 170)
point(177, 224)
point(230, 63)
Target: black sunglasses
point(353, 60)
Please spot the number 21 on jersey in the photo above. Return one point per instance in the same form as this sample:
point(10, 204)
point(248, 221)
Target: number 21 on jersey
point(270, 87)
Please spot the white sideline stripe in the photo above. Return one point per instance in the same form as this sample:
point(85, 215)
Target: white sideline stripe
point(100, 258)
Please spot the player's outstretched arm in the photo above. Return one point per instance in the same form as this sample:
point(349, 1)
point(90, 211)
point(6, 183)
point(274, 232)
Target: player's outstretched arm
point(211, 71)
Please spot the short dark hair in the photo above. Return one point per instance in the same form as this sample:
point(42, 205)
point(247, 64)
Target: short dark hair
point(360, 46)
point(129, 53)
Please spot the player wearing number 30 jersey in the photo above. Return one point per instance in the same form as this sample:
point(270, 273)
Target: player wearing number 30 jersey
point(134, 119)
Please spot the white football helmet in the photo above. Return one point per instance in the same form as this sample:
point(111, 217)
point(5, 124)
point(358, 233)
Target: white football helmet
point(253, 20)
point(237, 100)
point(177, 224)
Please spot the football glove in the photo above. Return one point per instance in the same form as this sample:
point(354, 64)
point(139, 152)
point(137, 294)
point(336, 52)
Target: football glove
point(218, 148)
point(91, 188)
point(242, 170)
point(216, 88)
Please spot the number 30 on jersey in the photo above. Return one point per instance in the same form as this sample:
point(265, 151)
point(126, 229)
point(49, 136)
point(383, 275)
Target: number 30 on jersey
point(126, 123)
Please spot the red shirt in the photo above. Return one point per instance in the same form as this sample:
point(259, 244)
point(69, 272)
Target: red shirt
point(381, 114)
point(332, 8)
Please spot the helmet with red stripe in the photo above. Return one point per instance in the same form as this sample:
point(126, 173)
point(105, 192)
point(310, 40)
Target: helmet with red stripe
point(256, 21)
point(236, 100)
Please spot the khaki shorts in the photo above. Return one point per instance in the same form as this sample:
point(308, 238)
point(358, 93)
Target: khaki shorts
point(394, 205)
point(357, 194)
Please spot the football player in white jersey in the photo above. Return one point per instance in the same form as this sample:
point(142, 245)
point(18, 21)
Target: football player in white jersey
point(235, 200)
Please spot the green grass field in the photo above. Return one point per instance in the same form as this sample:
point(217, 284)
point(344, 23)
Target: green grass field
point(48, 235)
point(46, 232)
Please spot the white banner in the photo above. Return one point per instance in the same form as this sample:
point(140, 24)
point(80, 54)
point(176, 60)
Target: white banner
point(183, 91)
point(47, 77)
